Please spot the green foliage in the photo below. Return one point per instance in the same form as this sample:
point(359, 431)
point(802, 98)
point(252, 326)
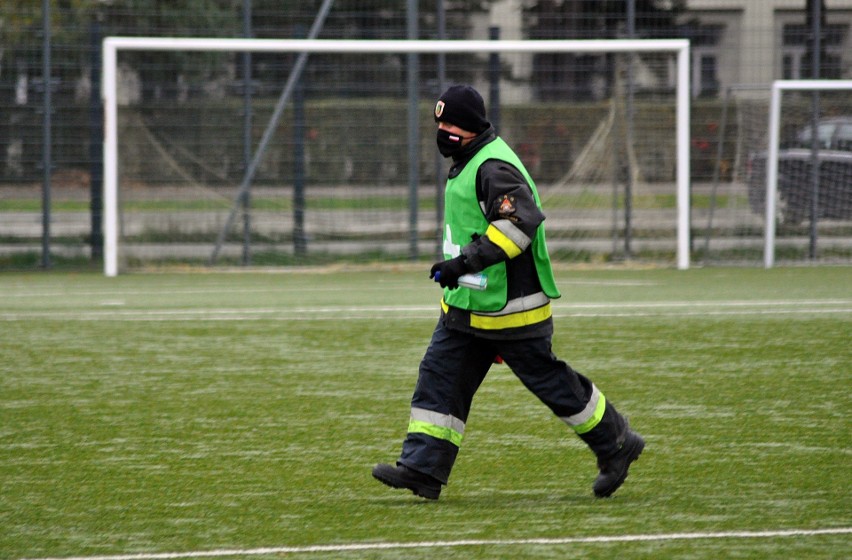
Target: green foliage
point(21, 33)
point(158, 413)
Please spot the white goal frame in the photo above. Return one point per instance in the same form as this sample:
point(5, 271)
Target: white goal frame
point(111, 46)
point(779, 86)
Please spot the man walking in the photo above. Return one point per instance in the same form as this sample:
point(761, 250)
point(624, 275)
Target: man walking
point(493, 225)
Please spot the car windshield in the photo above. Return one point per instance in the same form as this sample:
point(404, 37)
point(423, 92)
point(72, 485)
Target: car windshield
point(844, 137)
point(824, 134)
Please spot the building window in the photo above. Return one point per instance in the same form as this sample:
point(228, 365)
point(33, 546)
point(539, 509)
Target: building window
point(705, 40)
point(708, 75)
point(795, 56)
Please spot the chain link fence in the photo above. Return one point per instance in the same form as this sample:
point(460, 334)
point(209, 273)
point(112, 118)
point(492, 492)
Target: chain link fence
point(335, 181)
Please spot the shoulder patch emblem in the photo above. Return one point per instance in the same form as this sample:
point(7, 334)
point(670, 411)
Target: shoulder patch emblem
point(507, 208)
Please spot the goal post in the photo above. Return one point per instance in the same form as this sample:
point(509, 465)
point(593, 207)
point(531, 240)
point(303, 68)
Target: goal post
point(772, 168)
point(114, 45)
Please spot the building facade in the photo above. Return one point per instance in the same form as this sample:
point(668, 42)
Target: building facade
point(743, 43)
point(753, 42)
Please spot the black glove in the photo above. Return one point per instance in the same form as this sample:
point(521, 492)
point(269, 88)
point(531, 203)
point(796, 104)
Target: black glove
point(447, 273)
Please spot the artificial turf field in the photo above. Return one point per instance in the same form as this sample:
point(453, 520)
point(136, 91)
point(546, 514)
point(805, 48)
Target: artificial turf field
point(238, 415)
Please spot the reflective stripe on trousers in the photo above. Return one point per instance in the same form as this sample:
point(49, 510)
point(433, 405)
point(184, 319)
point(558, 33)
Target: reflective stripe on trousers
point(585, 420)
point(437, 425)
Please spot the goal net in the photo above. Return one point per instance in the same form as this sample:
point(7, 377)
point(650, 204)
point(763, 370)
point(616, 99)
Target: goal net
point(324, 151)
point(766, 146)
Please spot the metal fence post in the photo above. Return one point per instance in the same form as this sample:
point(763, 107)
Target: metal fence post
point(47, 157)
point(815, 14)
point(440, 179)
point(628, 183)
point(247, 119)
point(413, 129)
point(494, 80)
point(300, 244)
point(96, 145)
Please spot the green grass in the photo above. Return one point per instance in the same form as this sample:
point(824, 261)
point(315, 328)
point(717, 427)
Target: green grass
point(155, 413)
point(356, 201)
point(337, 202)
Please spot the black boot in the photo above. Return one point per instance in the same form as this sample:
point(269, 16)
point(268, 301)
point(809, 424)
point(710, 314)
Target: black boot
point(613, 469)
point(616, 446)
point(401, 476)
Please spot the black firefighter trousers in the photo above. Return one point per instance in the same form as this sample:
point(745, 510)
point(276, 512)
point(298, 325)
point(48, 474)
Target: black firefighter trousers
point(455, 365)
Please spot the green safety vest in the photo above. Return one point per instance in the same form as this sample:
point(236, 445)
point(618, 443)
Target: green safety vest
point(463, 217)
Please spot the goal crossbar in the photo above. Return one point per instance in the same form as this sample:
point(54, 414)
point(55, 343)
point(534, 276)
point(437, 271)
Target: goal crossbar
point(111, 46)
point(779, 86)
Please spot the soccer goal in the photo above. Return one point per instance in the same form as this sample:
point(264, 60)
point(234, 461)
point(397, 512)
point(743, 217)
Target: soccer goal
point(809, 174)
point(333, 157)
point(806, 217)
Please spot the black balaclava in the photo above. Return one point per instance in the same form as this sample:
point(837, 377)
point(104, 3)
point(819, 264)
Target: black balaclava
point(461, 106)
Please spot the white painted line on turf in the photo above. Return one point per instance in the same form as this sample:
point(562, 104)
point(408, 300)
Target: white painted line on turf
point(739, 312)
point(355, 547)
point(13, 293)
point(308, 313)
point(387, 313)
point(285, 313)
point(733, 303)
point(560, 310)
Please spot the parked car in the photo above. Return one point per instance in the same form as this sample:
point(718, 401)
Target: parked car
point(795, 184)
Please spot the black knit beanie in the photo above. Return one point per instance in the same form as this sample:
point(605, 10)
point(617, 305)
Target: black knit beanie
point(463, 107)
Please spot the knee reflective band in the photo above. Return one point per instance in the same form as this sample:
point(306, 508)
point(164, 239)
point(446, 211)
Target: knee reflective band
point(590, 416)
point(437, 425)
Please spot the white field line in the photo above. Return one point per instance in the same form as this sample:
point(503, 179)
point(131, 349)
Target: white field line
point(13, 294)
point(355, 547)
point(114, 311)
